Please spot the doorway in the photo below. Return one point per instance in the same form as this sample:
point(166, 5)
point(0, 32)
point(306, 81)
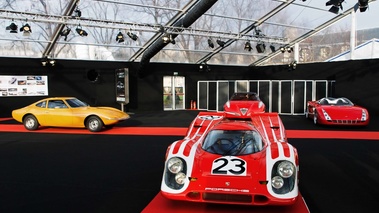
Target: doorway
point(173, 92)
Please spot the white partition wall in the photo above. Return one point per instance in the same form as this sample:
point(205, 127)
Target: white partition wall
point(287, 97)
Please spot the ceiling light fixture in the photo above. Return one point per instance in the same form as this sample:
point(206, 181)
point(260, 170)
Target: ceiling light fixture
point(261, 47)
point(77, 13)
point(204, 67)
point(248, 46)
point(12, 28)
point(210, 43)
point(336, 5)
point(363, 5)
point(220, 43)
point(272, 47)
point(80, 31)
point(166, 38)
point(120, 37)
point(133, 36)
point(65, 33)
point(282, 49)
point(172, 40)
point(292, 65)
point(26, 29)
point(45, 61)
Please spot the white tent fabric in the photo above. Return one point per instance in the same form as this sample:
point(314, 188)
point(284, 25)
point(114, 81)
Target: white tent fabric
point(367, 50)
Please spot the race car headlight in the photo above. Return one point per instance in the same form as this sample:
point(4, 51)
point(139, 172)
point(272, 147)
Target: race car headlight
point(175, 174)
point(286, 169)
point(364, 115)
point(260, 105)
point(283, 177)
point(327, 117)
point(180, 178)
point(277, 182)
point(175, 165)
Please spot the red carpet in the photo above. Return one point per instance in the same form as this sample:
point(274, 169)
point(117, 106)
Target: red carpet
point(162, 205)
point(181, 131)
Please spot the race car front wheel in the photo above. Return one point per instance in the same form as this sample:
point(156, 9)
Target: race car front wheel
point(30, 122)
point(94, 124)
point(315, 117)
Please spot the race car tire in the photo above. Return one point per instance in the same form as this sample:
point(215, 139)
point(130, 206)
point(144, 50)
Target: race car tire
point(315, 118)
point(30, 122)
point(94, 124)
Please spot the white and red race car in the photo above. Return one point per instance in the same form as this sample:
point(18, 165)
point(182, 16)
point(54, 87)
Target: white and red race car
point(232, 161)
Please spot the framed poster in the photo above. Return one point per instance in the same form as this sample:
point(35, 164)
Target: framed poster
point(23, 85)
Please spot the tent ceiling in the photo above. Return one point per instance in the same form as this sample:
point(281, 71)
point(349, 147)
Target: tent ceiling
point(191, 24)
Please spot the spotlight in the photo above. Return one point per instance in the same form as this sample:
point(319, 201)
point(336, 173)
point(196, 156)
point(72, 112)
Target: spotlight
point(261, 47)
point(12, 27)
point(81, 32)
point(172, 40)
point(120, 37)
point(289, 49)
point(204, 67)
point(77, 13)
point(26, 29)
point(336, 5)
point(292, 66)
point(210, 43)
point(282, 49)
point(258, 33)
point(52, 62)
point(363, 5)
point(220, 43)
point(166, 38)
point(133, 36)
point(65, 33)
point(272, 47)
point(248, 46)
point(44, 61)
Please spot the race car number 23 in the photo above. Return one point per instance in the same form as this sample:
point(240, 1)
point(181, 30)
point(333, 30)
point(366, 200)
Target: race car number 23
point(229, 165)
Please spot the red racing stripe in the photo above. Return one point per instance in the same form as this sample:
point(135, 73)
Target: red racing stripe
point(274, 151)
point(286, 150)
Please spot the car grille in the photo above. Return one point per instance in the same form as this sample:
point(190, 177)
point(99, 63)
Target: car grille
point(234, 198)
point(227, 197)
point(346, 121)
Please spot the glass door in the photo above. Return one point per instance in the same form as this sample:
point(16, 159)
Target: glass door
point(173, 92)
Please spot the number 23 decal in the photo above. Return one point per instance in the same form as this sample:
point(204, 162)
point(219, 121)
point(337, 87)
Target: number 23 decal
point(229, 165)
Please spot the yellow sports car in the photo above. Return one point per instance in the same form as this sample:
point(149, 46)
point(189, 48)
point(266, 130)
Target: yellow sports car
point(68, 112)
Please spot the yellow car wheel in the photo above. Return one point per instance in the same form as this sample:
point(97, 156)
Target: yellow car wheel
point(30, 122)
point(94, 124)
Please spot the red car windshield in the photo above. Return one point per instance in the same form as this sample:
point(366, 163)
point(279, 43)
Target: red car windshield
point(245, 96)
point(233, 142)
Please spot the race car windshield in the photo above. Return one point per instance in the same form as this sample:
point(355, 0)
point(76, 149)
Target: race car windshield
point(76, 103)
point(336, 101)
point(245, 97)
point(233, 142)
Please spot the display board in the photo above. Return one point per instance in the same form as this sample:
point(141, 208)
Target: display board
point(23, 85)
point(122, 85)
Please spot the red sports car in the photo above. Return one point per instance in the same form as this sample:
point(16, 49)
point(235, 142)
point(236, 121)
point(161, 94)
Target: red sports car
point(244, 104)
point(336, 111)
point(232, 161)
